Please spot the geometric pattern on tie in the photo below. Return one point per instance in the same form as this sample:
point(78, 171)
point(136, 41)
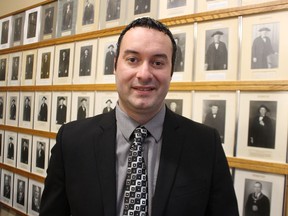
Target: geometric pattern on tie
point(136, 184)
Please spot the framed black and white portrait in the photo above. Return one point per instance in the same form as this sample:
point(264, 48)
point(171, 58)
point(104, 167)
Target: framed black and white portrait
point(85, 62)
point(82, 105)
point(259, 193)
point(172, 8)
point(88, 16)
point(20, 193)
point(183, 37)
point(61, 109)
point(263, 47)
point(48, 21)
point(32, 25)
point(42, 111)
point(218, 61)
point(67, 15)
point(179, 103)
point(105, 102)
point(63, 67)
point(141, 8)
point(45, 64)
point(12, 108)
point(26, 112)
point(106, 54)
point(40, 152)
point(10, 148)
point(4, 63)
point(24, 152)
point(17, 29)
point(14, 70)
point(7, 184)
point(29, 63)
point(209, 5)
point(112, 13)
point(217, 110)
point(262, 131)
point(34, 197)
point(2, 140)
point(2, 107)
point(6, 30)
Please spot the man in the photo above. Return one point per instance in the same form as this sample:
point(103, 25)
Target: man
point(64, 63)
point(85, 62)
point(20, 192)
point(3, 70)
point(262, 129)
point(88, 16)
point(216, 119)
point(10, 151)
point(142, 6)
point(42, 116)
point(48, 23)
point(216, 55)
point(5, 31)
point(61, 112)
point(36, 198)
point(186, 167)
point(81, 113)
point(13, 110)
point(27, 110)
point(179, 63)
point(17, 29)
point(109, 60)
point(45, 66)
point(7, 186)
point(29, 67)
point(261, 49)
point(257, 203)
point(67, 15)
point(1, 107)
point(15, 68)
point(113, 10)
point(24, 151)
point(40, 155)
point(32, 25)
point(108, 107)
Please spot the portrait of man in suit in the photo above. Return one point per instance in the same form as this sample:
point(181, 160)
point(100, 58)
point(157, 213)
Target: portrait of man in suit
point(175, 105)
point(48, 21)
point(88, 15)
point(32, 21)
point(108, 107)
point(180, 54)
point(40, 155)
point(24, 154)
point(15, 68)
point(109, 60)
point(214, 115)
point(175, 3)
point(216, 57)
point(17, 29)
point(67, 15)
point(262, 130)
point(142, 6)
point(177, 166)
point(263, 51)
point(45, 65)
point(64, 63)
point(20, 192)
point(82, 110)
point(43, 111)
point(3, 63)
point(36, 198)
point(85, 61)
point(29, 66)
point(7, 186)
point(61, 111)
point(27, 109)
point(1, 108)
point(10, 150)
point(5, 32)
point(113, 10)
point(13, 109)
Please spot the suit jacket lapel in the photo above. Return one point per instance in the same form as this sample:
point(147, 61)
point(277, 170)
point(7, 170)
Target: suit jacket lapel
point(105, 154)
point(171, 150)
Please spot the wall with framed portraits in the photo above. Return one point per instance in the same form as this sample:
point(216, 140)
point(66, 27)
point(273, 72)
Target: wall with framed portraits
point(64, 72)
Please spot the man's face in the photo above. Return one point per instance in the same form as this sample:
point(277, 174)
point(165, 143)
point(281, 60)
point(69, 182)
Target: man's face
point(263, 33)
point(262, 111)
point(143, 71)
point(214, 109)
point(217, 38)
point(61, 102)
point(26, 101)
point(257, 188)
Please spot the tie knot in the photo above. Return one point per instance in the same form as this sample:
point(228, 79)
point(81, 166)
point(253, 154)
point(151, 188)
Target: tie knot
point(140, 133)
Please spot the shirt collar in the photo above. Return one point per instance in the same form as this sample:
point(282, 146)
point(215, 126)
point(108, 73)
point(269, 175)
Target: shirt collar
point(127, 125)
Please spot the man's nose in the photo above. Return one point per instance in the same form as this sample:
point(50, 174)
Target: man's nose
point(144, 71)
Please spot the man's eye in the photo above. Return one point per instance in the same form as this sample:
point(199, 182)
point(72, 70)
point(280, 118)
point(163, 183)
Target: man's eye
point(158, 63)
point(132, 60)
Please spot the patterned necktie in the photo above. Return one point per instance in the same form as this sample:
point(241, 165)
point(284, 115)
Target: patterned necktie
point(136, 184)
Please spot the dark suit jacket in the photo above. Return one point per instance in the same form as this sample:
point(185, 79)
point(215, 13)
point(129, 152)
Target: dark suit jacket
point(193, 177)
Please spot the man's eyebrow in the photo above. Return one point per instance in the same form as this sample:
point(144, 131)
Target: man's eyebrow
point(160, 55)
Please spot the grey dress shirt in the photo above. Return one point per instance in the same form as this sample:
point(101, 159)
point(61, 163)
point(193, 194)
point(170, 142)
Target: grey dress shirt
point(151, 147)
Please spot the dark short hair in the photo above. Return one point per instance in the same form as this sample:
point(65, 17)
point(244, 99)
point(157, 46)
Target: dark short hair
point(147, 22)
